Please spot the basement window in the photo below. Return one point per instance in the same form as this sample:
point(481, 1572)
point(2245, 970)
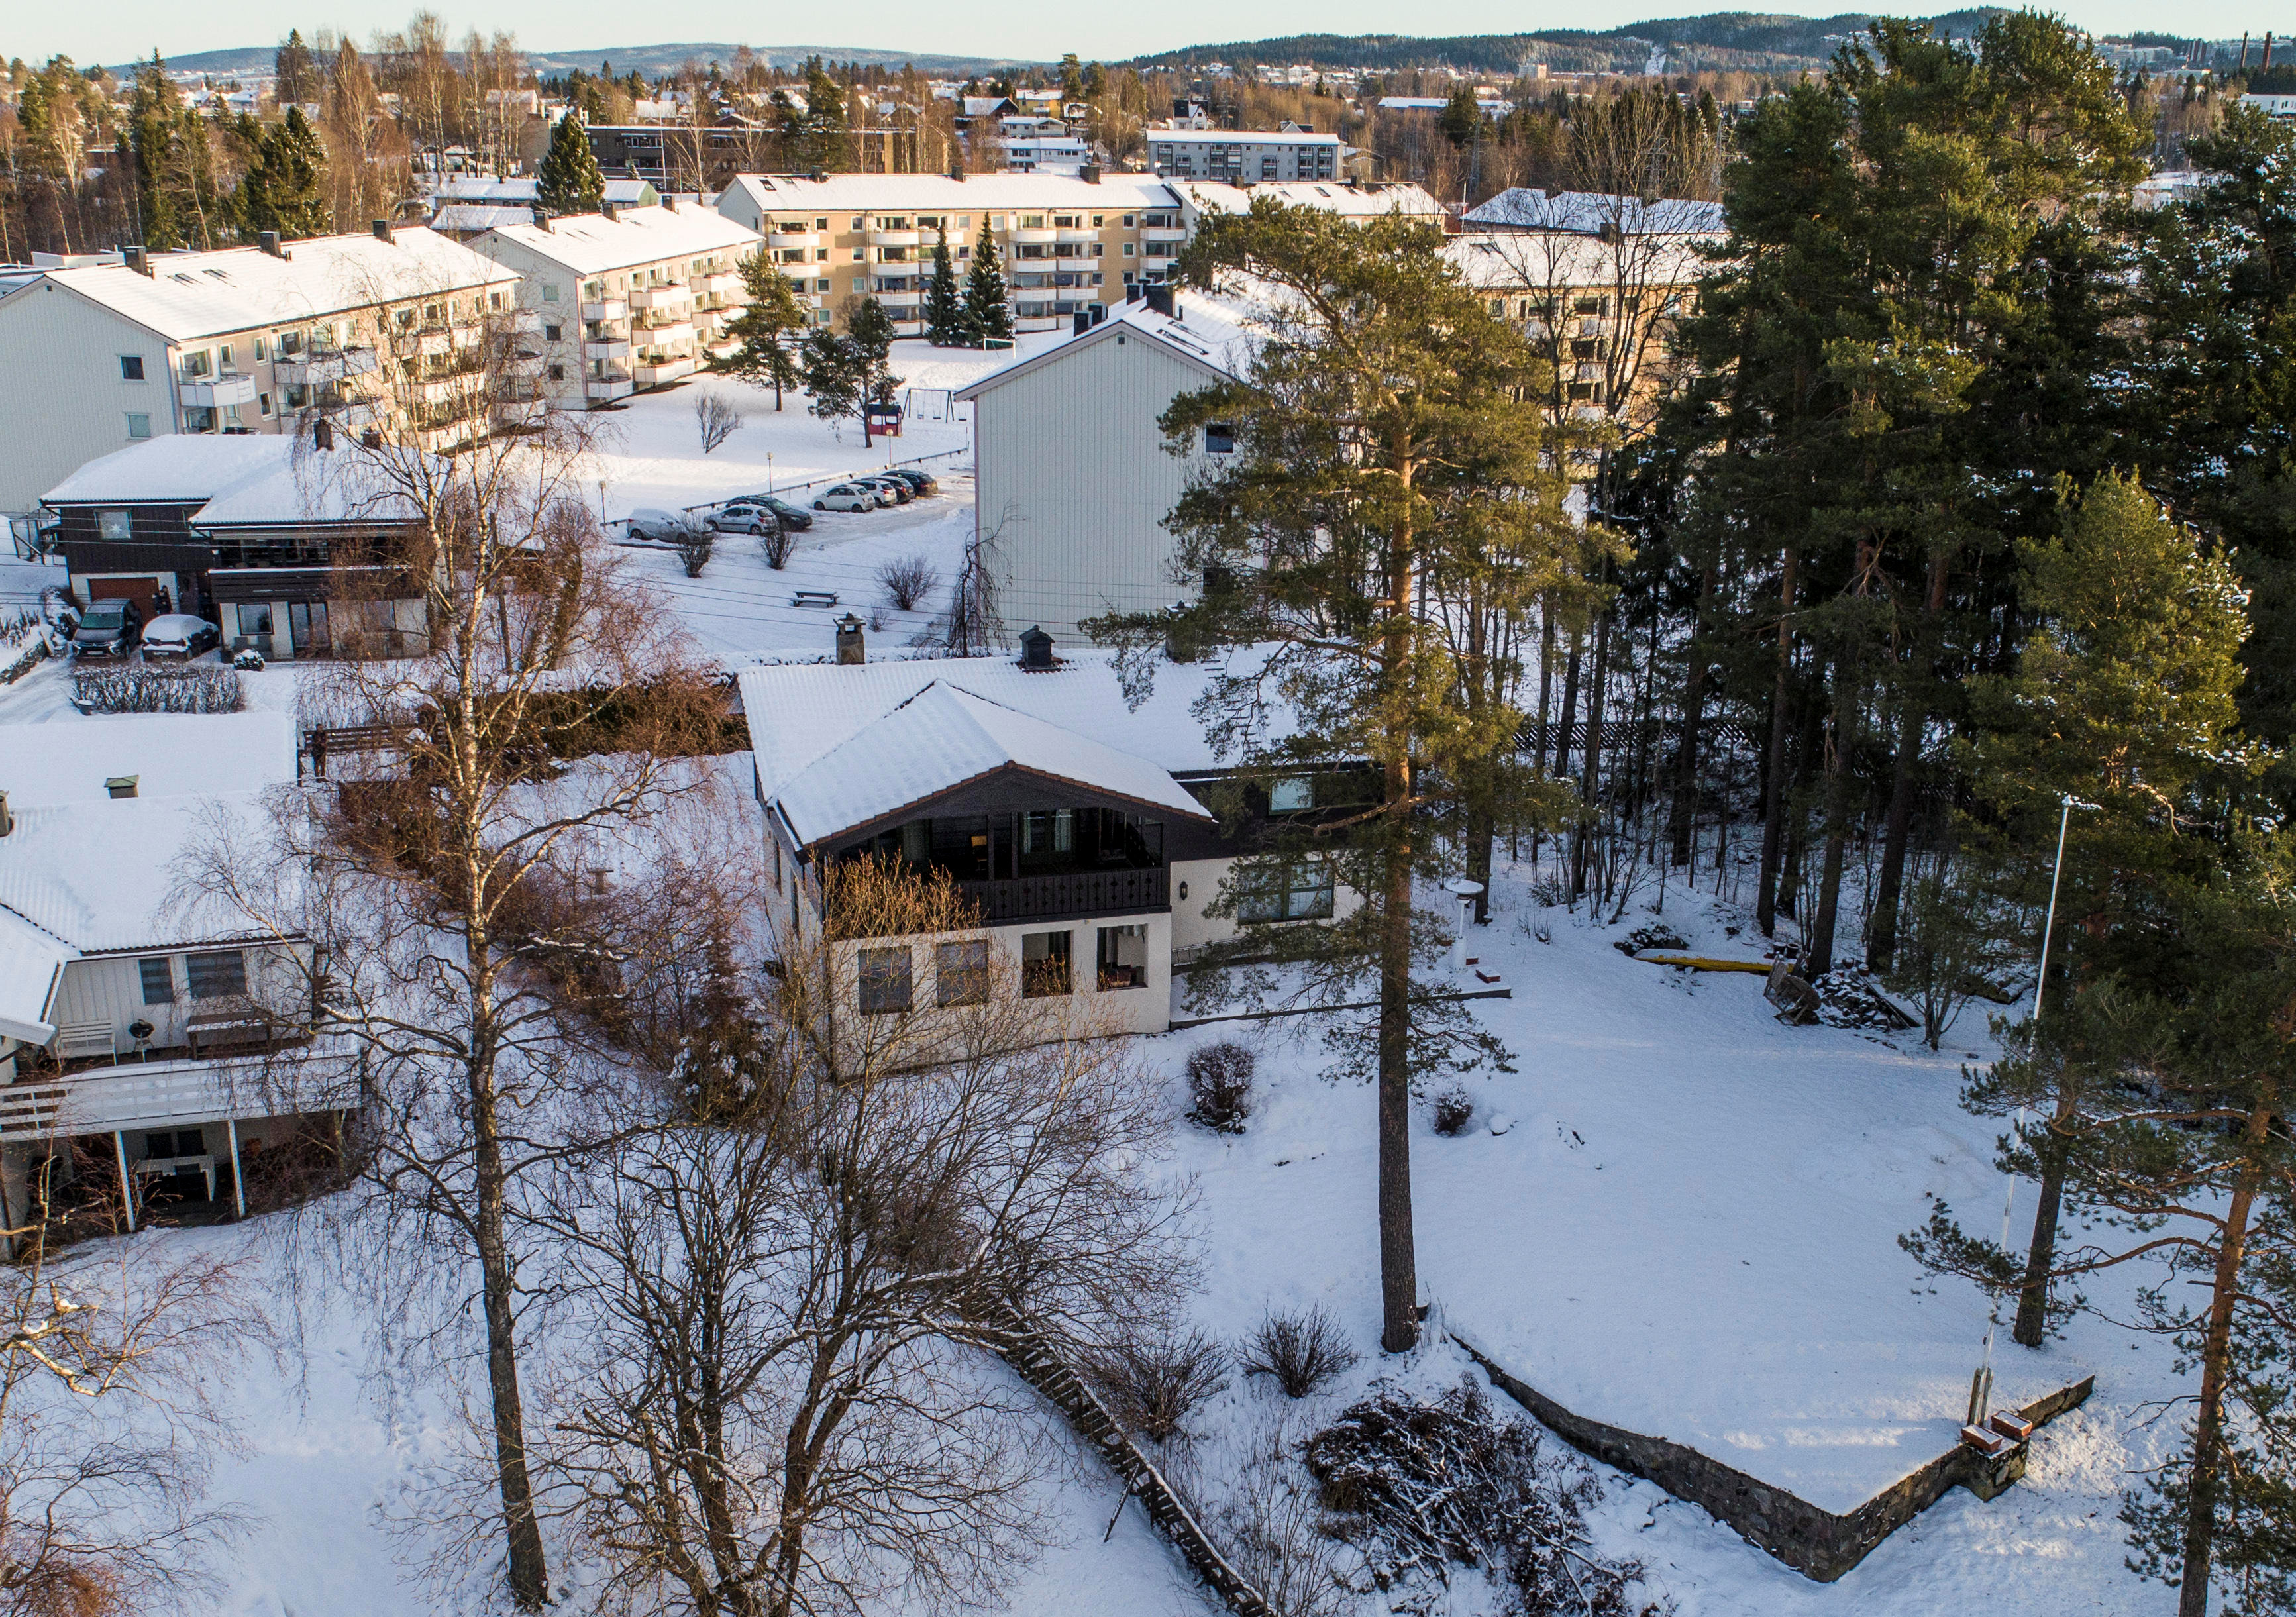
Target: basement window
point(1220, 437)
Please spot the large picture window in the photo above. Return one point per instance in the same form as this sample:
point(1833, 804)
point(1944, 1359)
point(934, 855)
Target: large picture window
point(961, 971)
point(884, 980)
point(1045, 966)
point(220, 975)
point(1298, 891)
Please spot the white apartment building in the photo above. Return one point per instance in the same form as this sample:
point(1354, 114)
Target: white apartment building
point(1067, 240)
point(1357, 200)
point(629, 298)
point(246, 339)
point(1245, 156)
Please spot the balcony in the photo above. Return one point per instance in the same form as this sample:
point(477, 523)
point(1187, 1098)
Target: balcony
point(150, 1093)
point(660, 300)
point(1161, 234)
point(1079, 893)
point(609, 308)
point(723, 350)
point(897, 238)
point(216, 393)
point(522, 365)
point(799, 272)
point(527, 322)
point(1078, 238)
point(446, 390)
point(1076, 265)
point(676, 333)
point(607, 347)
point(1032, 238)
point(655, 373)
point(519, 412)
point(797, 240)
point(604, 389)
point(331, 365)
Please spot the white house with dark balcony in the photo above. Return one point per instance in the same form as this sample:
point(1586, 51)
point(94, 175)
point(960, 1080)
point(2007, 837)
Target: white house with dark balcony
point(1082, 830)
point(246, 339)
point(132, 1047)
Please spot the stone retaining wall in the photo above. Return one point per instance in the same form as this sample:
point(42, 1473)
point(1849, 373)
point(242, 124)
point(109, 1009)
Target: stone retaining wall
point(1815, 1542)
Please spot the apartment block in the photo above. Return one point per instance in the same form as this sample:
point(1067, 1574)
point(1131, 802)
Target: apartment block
point(1244, 156)
point(1066, 242)
point(629, 299)
point(263, 339)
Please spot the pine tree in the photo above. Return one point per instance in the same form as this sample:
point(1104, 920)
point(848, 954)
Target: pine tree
point(297, 70)
point(284, 188)
point(944, 304)
point(1388, 447)
point(569, 181)
point(849, 371)
point(763, 329)
point(987, 317)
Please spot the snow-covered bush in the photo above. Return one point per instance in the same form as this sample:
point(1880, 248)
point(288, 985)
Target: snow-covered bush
point(145, 688)
point(776, 543)
point(24, 645)
point(1655, 935)
point(694, 547)
point(1304, 1352)
point(1423, 1487)
point(908, 580)
point(1269, 1527)
point(1453, 1111)
point(1219, 1083)
point(1153, 1382)
point(248, 661)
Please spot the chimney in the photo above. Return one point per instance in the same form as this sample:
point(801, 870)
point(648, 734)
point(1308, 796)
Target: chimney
point(7, 820)
point(542, 218)
point(1089, 174)
point(1159, 294)
point(1037, 651)
point(2264, 66)
point(121, 786)
point(1083, 323)
point(608, 209)
point(669, 202)
point(136, 258)
point(269, 242)
point(1099, 313)
point(817, 175)
point(852, 645)
point(323, 434)
point(957, 172)
point(382, 231)
point(1132, 292)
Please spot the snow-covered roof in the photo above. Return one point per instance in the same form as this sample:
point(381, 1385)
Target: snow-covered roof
point(170, 755)
point(590, 243)
point(517, 190)
point(237, 480)
point(778, 193)
point(800, 713)
point(1332, 196)
point(31, 964)
point(191, 295)
point(1210, 335)
point(97, 873)
point(1528, 260)
point(1586, 212)
point(944, 737)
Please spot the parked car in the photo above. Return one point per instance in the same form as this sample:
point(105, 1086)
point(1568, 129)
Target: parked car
point(180, 635)
point(849, 497)
point(742, 518)
point(651, 525)
point(108, 629)
point(917, 481)
point(901, 493)
point(795, 518)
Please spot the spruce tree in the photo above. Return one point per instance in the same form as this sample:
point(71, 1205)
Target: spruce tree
point(988, 316)
point(297, 70)
point(284, 187)
point(944, 304)
point(764, 328)
point(569, 181)
point(1388, 447)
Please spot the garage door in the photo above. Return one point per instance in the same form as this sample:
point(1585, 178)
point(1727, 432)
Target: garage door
point(144, 591)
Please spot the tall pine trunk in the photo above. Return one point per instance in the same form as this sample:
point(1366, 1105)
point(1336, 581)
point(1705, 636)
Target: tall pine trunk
point(2032, 1325)
point(1774, 809)
point(2216, 1363)
point(1840, 782)
point(1913, 722)
point(1684, 818)
point(1399, 1268)
point(1591, 761)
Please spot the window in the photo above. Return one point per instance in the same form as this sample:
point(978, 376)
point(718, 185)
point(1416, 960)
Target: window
point(261, 353)
point(222, 357)
point(1123, 961)
point(196, 365)
point(884, 980)
point(821, 223)
point(1301, 891)
point(1220, 437)
point(1291, 795)
point(961, 971)
point(549, 291)
point(221, 976)
point(263, 404)
point(557, 373)
point(554, 333)
point(138, 425)
point(114, 524)
point(1045, 832)
point(1044, 964)
point(131, 368)
point(159, 980)
point(254, 617)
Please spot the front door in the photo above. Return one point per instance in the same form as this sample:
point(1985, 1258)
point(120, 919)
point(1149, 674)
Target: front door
point(306, 627)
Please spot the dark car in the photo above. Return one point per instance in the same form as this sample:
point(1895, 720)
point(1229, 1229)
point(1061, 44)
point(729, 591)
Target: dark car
point(797, 519)
point(108, 629)
point(179, 635)
point(917, 480)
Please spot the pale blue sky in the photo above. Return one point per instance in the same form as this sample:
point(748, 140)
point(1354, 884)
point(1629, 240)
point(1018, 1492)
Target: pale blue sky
point(126, 29)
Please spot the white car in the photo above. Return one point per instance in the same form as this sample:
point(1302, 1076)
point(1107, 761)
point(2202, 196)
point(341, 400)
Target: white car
point(849, 497)
point(650, 525)
point(743, 518)
point(179, 635)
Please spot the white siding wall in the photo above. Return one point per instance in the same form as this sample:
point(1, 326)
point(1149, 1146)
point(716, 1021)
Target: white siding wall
point(62, 400)
point(109, 989)
point(534, 271)
point(1073, 480)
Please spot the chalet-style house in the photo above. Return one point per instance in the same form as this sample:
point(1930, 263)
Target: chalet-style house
point(128, 1033)
point(1072, 822)
point(254, 533)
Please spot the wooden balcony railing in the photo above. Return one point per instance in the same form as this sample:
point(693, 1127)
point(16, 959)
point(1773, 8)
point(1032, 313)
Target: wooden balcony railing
point(1086, 892)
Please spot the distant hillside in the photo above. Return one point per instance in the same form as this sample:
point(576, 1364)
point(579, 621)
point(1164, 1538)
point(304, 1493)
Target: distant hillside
point(1746, 41)
point(652, 60)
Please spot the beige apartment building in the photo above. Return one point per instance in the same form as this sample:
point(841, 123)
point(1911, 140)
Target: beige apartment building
point(1066, 241)
point(629, 299)
point(362, 330)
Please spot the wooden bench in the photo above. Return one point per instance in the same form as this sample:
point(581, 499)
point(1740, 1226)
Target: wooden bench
point(76, 1039)
point(814, 597)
